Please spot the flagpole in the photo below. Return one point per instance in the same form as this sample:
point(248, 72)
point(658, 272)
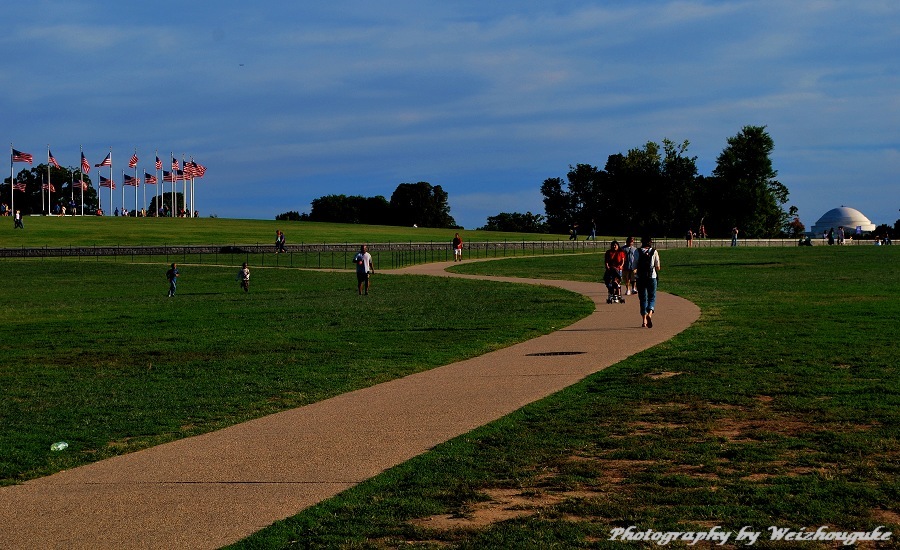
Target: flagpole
point(48, 181)
point(12, 191)
point(193, 189)
point(42, 186)
point(81, 179)
point(192, 184)
point(174, 203)
point(184, 186)
point(137, 184)
point(145, 187)
point(163, 194)
point(186, 170)
point(110, 178)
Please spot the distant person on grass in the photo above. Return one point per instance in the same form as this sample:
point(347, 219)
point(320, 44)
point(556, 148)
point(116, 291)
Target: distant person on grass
point(17, 224)
point(457, 248)
point(364, 270)
point(647, 269)
point(279, 241)
point(244, 277)
point(172, 276)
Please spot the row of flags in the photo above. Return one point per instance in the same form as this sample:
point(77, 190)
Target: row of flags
point(183, 171)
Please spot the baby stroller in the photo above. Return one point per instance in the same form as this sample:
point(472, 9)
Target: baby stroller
point(613, 280)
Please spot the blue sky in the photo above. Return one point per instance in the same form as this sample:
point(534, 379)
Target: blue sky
point(284, 102)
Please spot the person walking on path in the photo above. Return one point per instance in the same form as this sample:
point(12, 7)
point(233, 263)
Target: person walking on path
point(364, 270)
point(734, 235)
point(457, 248)
point(630, 267)
point(647, 269)
point(279, 241)
point(172, 276)
point(244, 277)
point(17, 224)
point(593, 235)
point(614, 261)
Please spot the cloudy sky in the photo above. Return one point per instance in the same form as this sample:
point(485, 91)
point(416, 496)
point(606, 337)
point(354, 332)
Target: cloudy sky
point(286, 101)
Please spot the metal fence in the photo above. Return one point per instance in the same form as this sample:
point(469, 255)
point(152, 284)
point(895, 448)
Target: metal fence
point(340, 255)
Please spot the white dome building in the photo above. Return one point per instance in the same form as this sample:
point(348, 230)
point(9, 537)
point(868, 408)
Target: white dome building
point(849, 218)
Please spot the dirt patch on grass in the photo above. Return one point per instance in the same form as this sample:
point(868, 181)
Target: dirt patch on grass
point(737, 430)
point(642, 428)
point(886, 516)
point(502, 505)
point(661, 375)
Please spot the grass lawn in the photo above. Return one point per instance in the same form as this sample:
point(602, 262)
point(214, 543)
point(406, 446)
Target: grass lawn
point(95, 354)
point(54, 231)
point(779, 407)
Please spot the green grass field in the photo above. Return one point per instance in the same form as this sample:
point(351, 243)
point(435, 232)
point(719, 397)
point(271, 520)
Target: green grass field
point(55, 231)
point(779, 407)
point(95, 354)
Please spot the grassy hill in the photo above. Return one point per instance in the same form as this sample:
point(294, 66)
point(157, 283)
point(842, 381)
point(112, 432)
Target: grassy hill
point(52, 231)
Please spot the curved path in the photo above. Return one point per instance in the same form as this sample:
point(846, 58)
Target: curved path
point(217, 488)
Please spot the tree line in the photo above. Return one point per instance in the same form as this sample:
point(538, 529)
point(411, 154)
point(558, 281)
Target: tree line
point(412, 204)
point(657, 190)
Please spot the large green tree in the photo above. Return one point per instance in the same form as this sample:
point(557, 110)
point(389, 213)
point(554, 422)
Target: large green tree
point(516, 222)
point(164, 200)
point(651, 190)
point(679, 191)
point(352, 209)
point(65, 183)
point(420, 204)
point(743, 191)
point(557, 205)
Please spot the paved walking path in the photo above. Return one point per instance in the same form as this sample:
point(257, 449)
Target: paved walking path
point(217, 488)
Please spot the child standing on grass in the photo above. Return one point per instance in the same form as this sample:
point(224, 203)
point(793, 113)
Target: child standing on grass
point(172, 276)
point(244, 277)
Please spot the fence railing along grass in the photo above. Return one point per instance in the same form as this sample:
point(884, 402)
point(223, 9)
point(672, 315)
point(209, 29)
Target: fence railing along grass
point(390, 255)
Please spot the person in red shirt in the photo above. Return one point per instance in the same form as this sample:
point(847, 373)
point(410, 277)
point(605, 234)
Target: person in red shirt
point(614, 259)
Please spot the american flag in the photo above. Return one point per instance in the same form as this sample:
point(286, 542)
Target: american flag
point(134, 182)
point(174, 164)
point(107, 183)
point(106, 162)
point(50, 186)
point(167, 176)
point(85, 165)
point(150, 179)
point(158, 163)
point(188, 171)
point(133, 162)
point(198, 169)
point(52, 159)
point(19, 186)
point(80, 185)
point(19, 156)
